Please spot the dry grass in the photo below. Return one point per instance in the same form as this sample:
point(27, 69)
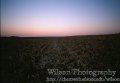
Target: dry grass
point(25, 60)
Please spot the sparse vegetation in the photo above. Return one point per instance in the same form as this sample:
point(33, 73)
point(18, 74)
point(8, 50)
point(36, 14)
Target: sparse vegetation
point(25, 60)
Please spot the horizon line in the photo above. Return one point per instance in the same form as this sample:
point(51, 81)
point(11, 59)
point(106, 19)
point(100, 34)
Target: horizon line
point(65, 36)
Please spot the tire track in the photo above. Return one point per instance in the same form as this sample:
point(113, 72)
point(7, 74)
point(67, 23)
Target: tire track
point(51, 57)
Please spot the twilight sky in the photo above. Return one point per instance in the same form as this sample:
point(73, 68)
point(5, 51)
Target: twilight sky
point(59, 17)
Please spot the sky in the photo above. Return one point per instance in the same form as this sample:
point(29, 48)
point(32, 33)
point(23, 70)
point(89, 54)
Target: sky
point(59, 17)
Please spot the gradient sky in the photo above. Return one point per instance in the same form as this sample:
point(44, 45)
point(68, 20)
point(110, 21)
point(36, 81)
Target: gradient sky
point(59, 17)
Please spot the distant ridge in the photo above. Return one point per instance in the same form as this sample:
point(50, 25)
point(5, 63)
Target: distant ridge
point(114, 34)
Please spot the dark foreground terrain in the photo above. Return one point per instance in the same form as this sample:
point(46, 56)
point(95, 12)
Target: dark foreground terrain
point(26, 60)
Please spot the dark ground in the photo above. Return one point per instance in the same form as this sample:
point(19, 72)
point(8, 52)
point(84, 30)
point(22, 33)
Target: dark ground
point(26, 60)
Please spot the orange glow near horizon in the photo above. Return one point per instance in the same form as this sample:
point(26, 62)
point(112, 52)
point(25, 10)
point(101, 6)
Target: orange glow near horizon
point(59, 18)
point(53, 30)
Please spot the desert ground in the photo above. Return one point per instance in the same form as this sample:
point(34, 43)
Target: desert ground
point(26, 59)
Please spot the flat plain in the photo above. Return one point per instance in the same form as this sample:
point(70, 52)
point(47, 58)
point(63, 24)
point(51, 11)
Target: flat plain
point(26, 59)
